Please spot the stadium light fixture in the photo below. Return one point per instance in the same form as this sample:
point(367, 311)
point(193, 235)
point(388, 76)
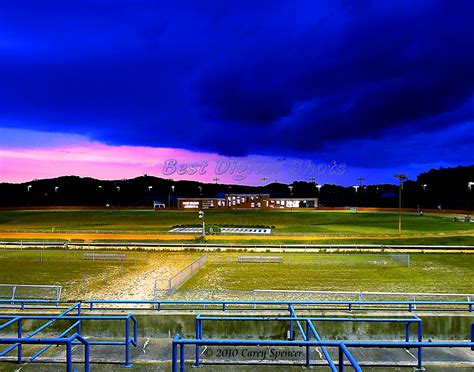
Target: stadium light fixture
point(401, 178)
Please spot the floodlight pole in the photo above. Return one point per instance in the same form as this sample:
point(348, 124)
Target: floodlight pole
point(29, 189)
point(361, 183)
point(291, 197)
point(469, 188)
point(423, 200)
point(56, 198)
point(200, 196)
point(356, 188)
point(401, 178)
point(118, 195)
point(319, 193)
point(169, 196)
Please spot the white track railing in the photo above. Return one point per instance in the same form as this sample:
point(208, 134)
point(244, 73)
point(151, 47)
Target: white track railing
point(291, 295)
point(30, 292)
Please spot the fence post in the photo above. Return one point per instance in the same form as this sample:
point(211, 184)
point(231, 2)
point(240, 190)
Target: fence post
point(79, 321)
point(69, 356)
point(127, 344)
point(198, 337)
point(181, 354)
point(308, 351)
point(20, 332)
point(174, 354)
point(420, 350)
point(472, 335)
point(341, 359)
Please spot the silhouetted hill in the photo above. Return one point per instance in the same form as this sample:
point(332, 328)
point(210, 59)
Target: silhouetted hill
point(446, 187)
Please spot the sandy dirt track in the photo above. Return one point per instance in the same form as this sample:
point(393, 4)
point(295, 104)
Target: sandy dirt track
point(87, 237)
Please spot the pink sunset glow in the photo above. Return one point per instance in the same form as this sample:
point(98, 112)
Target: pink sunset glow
point(26, 155)
point(29, 155)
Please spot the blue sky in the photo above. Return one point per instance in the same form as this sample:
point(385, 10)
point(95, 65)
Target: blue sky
point(381, 86)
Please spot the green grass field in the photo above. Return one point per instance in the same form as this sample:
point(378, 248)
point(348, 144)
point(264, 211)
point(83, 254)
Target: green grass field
point(65, 268)
point(448, 273)
point(303, 222)
point(77, 275)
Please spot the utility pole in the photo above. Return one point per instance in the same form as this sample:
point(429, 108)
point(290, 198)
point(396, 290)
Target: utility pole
point(402, 178)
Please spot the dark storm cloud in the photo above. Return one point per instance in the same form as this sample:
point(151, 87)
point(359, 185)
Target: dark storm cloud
point(241, 77)
point(352, 76)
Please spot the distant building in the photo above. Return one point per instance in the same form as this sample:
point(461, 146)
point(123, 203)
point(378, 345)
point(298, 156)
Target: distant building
point(246, 202)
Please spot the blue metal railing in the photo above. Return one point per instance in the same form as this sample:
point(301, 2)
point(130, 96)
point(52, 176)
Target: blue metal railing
point(78, 319)
point(310, 329)
point(76, 306)
point(309, 334)
point(67, 341)
point(180, 356)
point(408, 305)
